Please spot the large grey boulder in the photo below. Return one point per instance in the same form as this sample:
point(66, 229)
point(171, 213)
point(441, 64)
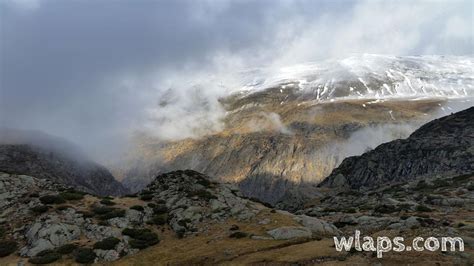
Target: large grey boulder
point(317, 226)
point(290, 232)
point(49, 234)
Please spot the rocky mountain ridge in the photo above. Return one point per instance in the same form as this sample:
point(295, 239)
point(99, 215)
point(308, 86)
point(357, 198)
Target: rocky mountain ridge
point(41, 162)
point(443, 147)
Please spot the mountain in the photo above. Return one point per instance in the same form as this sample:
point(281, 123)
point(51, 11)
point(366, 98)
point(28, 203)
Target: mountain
point(283, 130)
point(44, 156)
point(443, 147)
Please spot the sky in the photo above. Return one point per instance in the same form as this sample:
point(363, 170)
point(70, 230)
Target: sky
point(94, 71)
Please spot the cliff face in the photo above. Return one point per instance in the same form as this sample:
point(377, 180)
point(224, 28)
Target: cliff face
point(59, 167)
point(268, 154)
point(442, 147)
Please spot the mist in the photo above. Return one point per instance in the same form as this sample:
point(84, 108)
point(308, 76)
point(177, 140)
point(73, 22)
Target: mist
point(95, 72)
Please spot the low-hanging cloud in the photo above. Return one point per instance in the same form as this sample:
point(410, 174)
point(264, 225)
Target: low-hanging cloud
point(95, 71)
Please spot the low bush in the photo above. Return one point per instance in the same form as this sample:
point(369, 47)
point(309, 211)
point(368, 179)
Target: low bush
point(45, 257)
point(102, 210)
point(71, 195)
point(146, 197)
point(85, 255)
point(423, 208)
point(159, 219)
point(142, 238)
point(422, 185)
point(202, 193)
point(52, 199)
point(238, 234)
point(112, 214)
point(137, 208)
point(160, 208)
point(66, 249)
point(62, 207)
point(107, 243)
point(87, 214)
point(7, 247)
point(40, 209)
point(386, 209)
point(107, 202)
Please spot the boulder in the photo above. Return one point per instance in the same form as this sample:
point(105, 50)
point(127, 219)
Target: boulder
point(290, 232)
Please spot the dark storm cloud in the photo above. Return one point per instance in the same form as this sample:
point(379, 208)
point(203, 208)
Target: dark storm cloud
point(55, 57)
point(63, 63)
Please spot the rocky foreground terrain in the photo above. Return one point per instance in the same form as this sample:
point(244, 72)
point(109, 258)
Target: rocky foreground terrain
point(44, 222)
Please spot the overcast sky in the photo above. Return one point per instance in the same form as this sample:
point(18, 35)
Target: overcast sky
point(90, 70)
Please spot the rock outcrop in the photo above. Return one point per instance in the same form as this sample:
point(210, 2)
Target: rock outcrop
point(443, 147)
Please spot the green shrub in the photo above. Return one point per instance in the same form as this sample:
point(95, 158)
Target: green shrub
point(151, 205)
point(103, 222)
point(45, 257)
point(2, 232)
point(102, 210)
point(52, 199)
point(107, 198)
point(238, 234)
point(7, 247)
point(112, 214)
point(40, 209)
point(146, 197)
point(62, 207)
point(137, 208)
point(107, 243)
point(423, 208)
point(470, 187)
point(203, 181)
point(142, 238)
point(160, 208)
point(85, 255)
point(140, 244)
point(107, 202)
point(159, 219)
point(66, 249)
point(351, 210)
point(440, 182)
point(386, 209)
point(87, 214)
point(34, 195)
point(202, 193)
point(422, 185)
point(71, 195)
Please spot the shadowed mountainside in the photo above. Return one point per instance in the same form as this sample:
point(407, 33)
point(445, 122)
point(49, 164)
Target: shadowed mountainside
point(442, 147)
point(44, 156)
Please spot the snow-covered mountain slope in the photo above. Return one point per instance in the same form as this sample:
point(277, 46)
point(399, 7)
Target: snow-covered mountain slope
point(370, 76)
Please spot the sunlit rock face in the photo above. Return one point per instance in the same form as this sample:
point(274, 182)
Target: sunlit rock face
point(287, 128)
